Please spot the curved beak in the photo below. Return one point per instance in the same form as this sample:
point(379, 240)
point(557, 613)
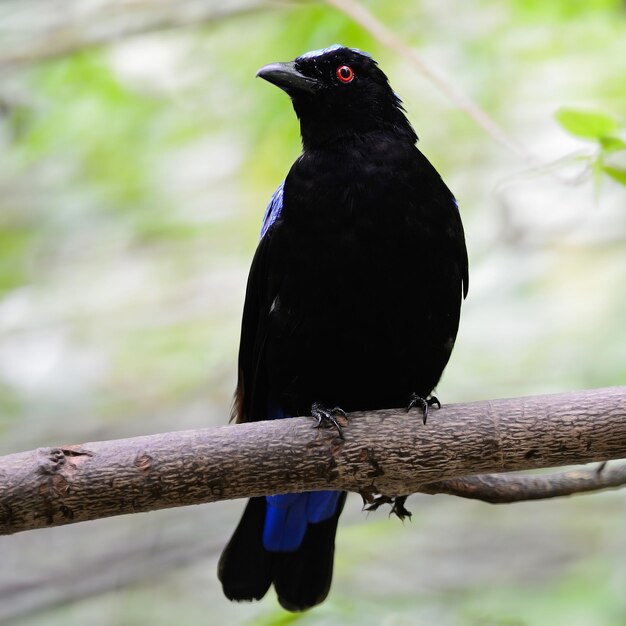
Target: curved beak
point(287, 77)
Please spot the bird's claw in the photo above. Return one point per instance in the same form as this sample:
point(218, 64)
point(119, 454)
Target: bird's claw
point(423, 404)
point(397, 506)
point(326, 417)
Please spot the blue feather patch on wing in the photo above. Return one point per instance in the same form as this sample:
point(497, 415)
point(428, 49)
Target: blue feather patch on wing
point(273, 209)
point(276, 413)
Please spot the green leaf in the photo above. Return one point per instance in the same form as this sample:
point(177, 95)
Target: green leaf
point(615, 173)
point(612, 144)
point(585, 123)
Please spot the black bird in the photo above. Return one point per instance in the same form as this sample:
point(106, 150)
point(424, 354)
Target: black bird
point(353, 300)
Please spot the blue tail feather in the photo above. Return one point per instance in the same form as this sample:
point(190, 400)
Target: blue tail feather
point(285, 525)
point(288, 515)
point(321, 505)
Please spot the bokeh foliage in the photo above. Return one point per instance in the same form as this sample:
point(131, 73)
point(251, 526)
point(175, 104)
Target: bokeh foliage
point(133, 180)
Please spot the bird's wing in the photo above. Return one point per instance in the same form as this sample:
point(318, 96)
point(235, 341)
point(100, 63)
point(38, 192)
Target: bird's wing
point(273, 209)
point(448, 210)
point(251, 402)
point(462, 258)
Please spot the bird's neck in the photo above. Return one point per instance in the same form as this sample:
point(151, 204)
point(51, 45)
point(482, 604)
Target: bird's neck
point(326, 128)
point(315, 140)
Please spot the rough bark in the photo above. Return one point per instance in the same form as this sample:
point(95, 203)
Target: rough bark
point(386, 452)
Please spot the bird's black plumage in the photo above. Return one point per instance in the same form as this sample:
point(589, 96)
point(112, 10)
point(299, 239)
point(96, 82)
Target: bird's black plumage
point(353, 299)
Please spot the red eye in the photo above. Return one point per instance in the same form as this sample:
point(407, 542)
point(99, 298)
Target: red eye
point(345, 73)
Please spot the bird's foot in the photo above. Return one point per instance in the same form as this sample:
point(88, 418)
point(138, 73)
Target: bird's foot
point(397, 506)
point(423, 404)
point(326, 417)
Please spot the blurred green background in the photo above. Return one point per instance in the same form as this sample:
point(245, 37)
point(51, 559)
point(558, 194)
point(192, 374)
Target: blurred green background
point(137, 155)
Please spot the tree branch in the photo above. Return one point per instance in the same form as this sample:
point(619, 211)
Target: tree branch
point(505, 489)
point(386, 452)
point(384, 35)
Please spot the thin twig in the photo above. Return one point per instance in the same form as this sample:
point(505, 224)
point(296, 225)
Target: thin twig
point(109, 24)
point(389, 39)
point(122, 567)
point(507, 488)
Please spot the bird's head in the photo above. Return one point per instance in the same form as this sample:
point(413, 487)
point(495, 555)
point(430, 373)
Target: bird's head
point(337, 93)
